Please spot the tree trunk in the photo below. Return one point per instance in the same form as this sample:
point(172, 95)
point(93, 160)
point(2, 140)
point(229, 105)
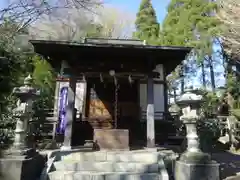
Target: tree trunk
point(238, 70)
point(175, 95)
point(203, 76)
point(212, 74)
point(182, 79)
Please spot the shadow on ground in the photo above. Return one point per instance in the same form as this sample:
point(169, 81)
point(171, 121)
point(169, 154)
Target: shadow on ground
point(229, 163)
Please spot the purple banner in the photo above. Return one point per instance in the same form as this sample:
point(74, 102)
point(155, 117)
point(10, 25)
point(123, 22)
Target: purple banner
point(62, 110)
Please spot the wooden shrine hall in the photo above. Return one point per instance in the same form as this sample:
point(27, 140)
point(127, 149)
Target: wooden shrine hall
point(118, 75)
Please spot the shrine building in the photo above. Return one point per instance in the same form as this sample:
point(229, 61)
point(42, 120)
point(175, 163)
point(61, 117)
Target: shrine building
point(115, 90)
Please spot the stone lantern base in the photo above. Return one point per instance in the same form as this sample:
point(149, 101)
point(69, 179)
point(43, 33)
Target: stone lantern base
point(196, 171)
point(195, 157)
point(18, 166)
point(196, 165)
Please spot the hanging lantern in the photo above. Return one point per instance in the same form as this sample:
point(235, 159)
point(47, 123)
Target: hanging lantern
point(112, 73)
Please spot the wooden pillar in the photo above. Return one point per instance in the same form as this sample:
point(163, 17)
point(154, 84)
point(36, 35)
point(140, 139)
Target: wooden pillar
point(150, 113)
point(84, 101)
point(165, 90)
point(69, 114)
point(56, 99)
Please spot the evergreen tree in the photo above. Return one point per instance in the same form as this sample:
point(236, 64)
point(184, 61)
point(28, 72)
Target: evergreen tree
point(147, 27)
point(192, 23)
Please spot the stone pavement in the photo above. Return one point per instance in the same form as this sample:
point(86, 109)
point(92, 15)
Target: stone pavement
point(229, 165)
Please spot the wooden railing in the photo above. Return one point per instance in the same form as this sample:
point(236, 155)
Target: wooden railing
point(158, 115)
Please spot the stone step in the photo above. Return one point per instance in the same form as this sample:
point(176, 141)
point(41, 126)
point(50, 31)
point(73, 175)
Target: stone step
point(100, 156)
point(108, 166)
point(104, 176)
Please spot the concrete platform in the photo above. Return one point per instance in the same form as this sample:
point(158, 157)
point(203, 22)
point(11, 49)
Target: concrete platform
point(103, 176)
point(125, 156)
point(107, 167)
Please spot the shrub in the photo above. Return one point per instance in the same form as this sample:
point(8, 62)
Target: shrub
point(209, 131)
point(7, 126)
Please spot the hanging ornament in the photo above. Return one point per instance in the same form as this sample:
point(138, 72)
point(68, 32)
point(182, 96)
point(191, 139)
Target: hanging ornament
point(130, 79)
point(112, 73)
point(101, 78)
point(83, 77)
point(115, 81)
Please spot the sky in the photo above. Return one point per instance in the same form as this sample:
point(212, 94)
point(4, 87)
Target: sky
point(2, 3)
point(130, 5)
point(133, 6)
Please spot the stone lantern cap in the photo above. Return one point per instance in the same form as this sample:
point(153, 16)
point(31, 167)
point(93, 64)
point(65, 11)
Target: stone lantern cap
point(26, 91)
point(189, 98)
point(190, 103)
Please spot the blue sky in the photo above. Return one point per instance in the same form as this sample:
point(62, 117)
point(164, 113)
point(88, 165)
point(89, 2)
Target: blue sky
point(133, 5)
point(2, 3)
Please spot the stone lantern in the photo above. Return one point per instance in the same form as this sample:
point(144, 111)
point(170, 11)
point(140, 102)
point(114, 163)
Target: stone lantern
point(24, 161)
point(193, 163)
point(26, 94)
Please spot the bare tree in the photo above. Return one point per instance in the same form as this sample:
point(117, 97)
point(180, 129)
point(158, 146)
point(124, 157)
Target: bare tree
point(69, 25)
point(229, 15)
point(72, 25)
point(28, 11)
point(116, 22)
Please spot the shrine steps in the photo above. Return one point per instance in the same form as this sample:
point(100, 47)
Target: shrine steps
point(109, 165)
point(103, 176)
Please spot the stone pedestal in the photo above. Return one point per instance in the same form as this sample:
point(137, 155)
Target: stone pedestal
point(111, 139)
point(21, 167)
point(194, 171)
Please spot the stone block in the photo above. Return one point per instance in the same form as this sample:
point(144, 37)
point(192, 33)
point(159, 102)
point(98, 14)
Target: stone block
point(104, 176)
point(88, 176)
point(153, 168)
point(153, 176)
point(191, 171)
point(61, 175)
point(86, 156)
point(69, 176)
point(70, 166)
point(129, 176)
point(100, 156)
point(95, 166)
point(111, 139)
point(24, 169)
point(106, 167)
point(147, 157)
point(120, 176)
point(59, 166)
point(124, 167)
point(119, 157)
point(135, 167)
point(143, 157)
